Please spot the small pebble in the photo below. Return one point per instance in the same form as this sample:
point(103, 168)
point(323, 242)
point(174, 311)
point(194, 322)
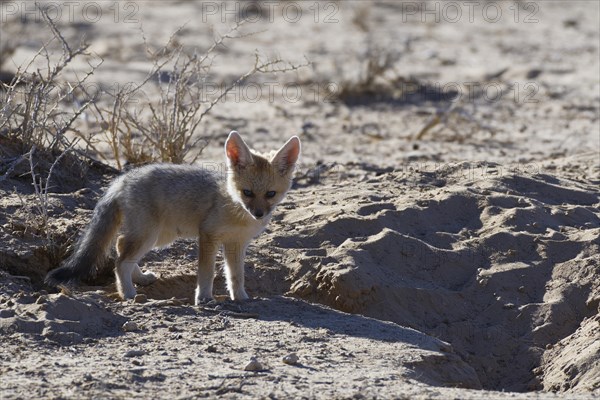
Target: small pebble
point(290, 359)
point(130, 326)
point(254, 365)
point(211, 348)
point(140, 298)
point(134, 353)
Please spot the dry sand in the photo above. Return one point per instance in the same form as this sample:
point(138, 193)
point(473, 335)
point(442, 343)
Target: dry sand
point(430, 268)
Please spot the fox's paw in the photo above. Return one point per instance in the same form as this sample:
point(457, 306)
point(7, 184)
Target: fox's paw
point(240, 295)
point(145, 279)
point(203, 301)
point(203, 294)
point(127, 293)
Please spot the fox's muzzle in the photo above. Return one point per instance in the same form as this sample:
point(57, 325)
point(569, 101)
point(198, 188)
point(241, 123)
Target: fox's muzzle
point(259, 213)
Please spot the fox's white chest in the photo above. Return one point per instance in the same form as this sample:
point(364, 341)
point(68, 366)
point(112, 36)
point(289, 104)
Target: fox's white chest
point(243, 233)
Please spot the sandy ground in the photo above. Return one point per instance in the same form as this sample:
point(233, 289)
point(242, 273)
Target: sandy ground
point(405, 263)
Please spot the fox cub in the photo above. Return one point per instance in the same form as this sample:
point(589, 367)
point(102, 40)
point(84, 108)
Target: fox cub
point(156, 204)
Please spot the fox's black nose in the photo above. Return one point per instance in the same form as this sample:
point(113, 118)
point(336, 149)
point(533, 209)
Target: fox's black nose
point(258, 213)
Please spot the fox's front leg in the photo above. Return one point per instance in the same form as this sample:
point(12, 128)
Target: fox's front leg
point(234, 254)
point(207, 249)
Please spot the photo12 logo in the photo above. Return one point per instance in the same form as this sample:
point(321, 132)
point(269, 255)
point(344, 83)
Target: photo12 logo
point(254, 11)
point(465, 171)
point(270, 91)
point(469, 11)
point(70, 11)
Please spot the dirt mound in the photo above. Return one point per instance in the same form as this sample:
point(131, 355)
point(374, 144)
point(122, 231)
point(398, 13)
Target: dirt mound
point(572, 364)
point(501, 268)
point(56, 318)
point(70, 173)
point(36, 230)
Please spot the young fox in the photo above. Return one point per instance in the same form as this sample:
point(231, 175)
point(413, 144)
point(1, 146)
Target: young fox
point(156, 204)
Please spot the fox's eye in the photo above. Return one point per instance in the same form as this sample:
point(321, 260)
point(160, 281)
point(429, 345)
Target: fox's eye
point(270, 194)
point(248, 193)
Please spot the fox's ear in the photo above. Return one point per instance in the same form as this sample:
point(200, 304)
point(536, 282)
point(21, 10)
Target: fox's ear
point(286, 157)
point(237, 151)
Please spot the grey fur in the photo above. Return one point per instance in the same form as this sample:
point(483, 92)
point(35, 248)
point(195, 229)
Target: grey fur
point(139, 196)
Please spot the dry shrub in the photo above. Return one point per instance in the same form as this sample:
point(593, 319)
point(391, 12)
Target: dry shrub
point(33, 103)
point(36, 109)
point(374, 80)
point(166, 132)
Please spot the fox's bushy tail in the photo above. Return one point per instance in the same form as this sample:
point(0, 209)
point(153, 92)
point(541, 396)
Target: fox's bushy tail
point(93, 246)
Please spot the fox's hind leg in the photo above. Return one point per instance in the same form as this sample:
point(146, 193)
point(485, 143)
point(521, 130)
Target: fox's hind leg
point(143, 278)
point(131, 250)
point(139, 277)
